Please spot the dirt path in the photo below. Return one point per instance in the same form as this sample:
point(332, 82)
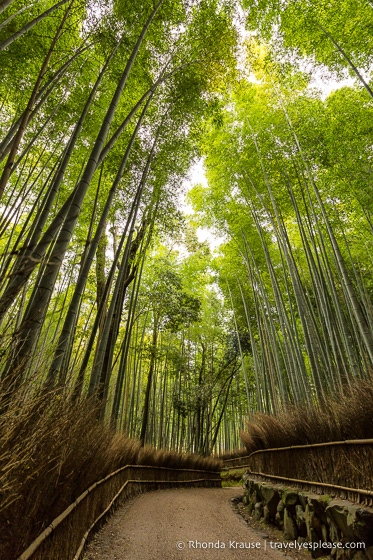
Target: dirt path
point(193, 524)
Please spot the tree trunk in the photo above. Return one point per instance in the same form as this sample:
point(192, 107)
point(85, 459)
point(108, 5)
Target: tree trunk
point(4, 4)
point(153, 357)
point(27, 336)
point(27, 113)
point(29, 25)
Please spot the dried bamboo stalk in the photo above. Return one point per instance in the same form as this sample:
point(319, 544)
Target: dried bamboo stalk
point(313, 483)
point(324, 444)
point(32, 548)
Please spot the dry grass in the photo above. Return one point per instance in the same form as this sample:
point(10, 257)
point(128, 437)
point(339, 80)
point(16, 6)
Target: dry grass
point(149, 456)
point(241, 452)
point(51, 452)
point(345, 416)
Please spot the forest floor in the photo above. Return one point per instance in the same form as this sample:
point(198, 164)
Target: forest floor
point(193, 524)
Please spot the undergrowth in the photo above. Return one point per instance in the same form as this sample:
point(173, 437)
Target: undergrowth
point(232, 477)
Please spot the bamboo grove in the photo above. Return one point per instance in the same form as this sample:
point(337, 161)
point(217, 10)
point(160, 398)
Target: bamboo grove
point(102, 108)
point(292, 164)
point(106, 294)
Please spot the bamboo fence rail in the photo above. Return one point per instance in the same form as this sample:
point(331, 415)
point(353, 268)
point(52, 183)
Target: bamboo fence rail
point(340, 468)
point(66, 536)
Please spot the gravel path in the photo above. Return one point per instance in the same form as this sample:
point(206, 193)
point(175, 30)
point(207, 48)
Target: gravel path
point(193, 524)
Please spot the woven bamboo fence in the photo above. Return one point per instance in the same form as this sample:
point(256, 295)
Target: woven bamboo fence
point(66, 536)
point(339, 468)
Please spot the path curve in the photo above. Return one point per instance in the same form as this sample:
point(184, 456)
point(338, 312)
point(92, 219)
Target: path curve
point(182, 524)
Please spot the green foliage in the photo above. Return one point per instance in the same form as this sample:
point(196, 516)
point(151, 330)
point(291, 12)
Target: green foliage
point(105, 105)
point(289, 176)
point(171, 306)
point(89, 184)
point(302, 23)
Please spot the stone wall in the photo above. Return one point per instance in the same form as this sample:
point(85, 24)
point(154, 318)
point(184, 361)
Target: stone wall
point(307, 518)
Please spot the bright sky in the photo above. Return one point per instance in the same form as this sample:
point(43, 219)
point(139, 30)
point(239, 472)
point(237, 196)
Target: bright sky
point(197, 176)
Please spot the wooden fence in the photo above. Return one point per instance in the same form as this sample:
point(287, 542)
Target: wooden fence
point(339, 468)
point(65, 537)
